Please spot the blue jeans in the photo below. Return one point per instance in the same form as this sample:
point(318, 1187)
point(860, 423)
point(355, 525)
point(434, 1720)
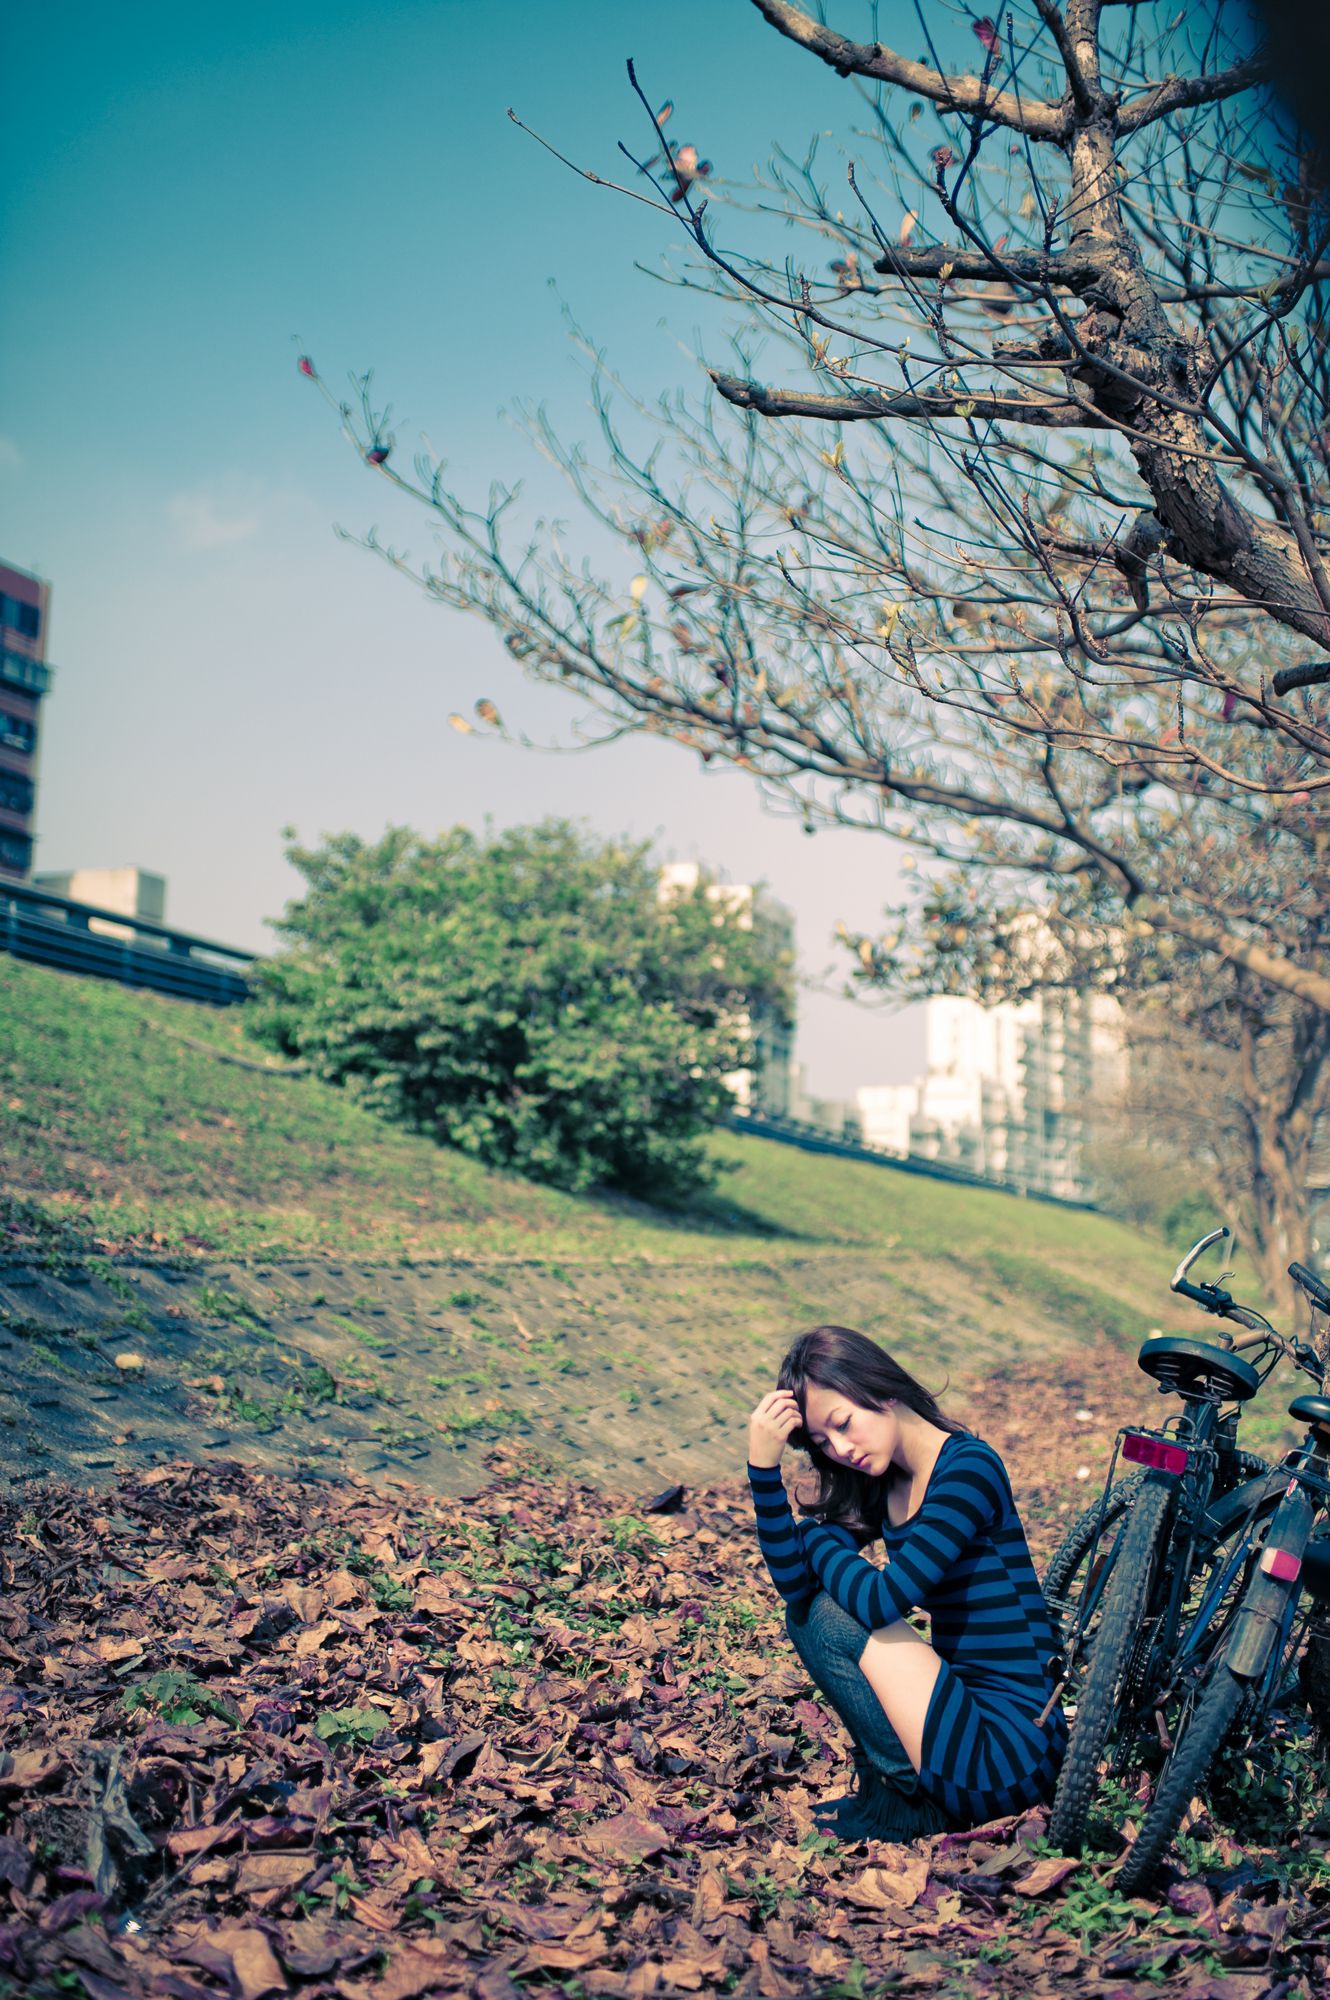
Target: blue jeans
point(830, 1642)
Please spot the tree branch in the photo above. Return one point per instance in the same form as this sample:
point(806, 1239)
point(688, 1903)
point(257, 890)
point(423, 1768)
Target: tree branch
point(873, 59)
point(873, 403)
point(1273, 968)
point(1181, 93)
point(1085, 96)
point(1030, 267)
point(1312, 673)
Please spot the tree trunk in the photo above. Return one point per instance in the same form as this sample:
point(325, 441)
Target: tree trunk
point(1279, 1123)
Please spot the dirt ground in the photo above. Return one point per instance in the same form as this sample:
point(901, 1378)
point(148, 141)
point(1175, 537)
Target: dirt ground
point(630, 1378)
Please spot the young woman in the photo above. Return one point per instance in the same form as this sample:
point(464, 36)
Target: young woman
point(948, 1733)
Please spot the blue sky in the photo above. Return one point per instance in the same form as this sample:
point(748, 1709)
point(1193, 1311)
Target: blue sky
point(193, 195)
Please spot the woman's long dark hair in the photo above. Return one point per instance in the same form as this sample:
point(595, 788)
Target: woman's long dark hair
point(837, 1358)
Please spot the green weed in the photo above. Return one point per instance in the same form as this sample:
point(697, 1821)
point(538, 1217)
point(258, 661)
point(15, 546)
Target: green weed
point(338, 1726)
point(216, 1303)
point(177, 1697)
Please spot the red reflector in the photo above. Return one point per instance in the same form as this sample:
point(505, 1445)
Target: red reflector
point(1142, 1450)
point(1283, 1564)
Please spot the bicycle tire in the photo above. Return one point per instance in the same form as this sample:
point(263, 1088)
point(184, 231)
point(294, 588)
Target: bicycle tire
point(1077, 1543)
point(1183, 1775)
point(1314, 1673)
point(1118, 1630)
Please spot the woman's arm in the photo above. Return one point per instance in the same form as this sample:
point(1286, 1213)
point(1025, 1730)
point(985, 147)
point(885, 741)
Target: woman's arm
point(782, 1539)
point(778, 1537)
point(965, 1496)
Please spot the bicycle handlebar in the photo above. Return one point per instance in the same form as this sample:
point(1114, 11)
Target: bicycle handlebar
point(1179, 1283)
point(1318, 1293)
point(1214, 1299)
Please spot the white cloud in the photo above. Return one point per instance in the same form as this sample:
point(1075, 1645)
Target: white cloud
point(203, 523)
point(10, 455)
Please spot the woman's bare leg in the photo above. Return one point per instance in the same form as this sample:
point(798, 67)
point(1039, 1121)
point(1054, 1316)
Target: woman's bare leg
point(902, 1670)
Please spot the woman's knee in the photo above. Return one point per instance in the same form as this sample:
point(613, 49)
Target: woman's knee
point(820, 1623)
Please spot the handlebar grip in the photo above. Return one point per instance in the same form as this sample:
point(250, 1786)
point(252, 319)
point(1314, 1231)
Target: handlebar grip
point(1311, 1285)
point(1210, 1296)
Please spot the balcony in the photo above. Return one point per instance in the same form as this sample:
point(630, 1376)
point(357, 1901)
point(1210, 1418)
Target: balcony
point(18, 671)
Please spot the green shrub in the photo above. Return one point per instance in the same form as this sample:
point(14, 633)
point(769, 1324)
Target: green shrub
point(527, 998)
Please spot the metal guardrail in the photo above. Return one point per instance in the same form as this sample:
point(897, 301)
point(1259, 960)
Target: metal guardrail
point(812, 1139)
point(53, 930)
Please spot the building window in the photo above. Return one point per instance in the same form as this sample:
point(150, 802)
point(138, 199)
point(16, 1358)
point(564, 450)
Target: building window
point(20, 617)
point(15, 852)
point(17, 733)
point(16, 792)
point(29, 620)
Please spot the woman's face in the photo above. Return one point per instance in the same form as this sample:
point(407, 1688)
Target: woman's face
point(853, 1436)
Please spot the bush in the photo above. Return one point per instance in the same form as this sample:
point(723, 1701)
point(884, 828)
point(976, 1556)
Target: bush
point(526, 998)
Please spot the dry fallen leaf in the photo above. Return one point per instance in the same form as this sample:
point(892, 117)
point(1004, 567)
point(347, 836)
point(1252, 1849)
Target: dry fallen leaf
point(272, 1870)
point(316, 1636)
point(21, 1770)
point(626, 1837)
point(1045, 1875)
point(582, 1776)
point(896, 1881)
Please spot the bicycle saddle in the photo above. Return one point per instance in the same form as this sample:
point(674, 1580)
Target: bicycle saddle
point(1194, 1368)
point(1311, 1410)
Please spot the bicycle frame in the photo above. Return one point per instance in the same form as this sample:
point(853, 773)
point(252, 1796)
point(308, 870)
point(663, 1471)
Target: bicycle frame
point(1268, 1608)
point(1194, 1496)
point(1263, 1620)
point(1207, 1643)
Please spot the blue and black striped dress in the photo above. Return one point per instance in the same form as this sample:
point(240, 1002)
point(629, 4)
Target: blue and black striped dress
point(963, 1558)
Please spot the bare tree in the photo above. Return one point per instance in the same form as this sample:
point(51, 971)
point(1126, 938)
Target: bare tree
point(1231, 1092)
point(1023, 559)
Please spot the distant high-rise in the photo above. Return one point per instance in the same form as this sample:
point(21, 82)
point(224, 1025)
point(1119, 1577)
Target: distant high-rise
point(1011, 1091)
point(24, 679)
point(766, 1086)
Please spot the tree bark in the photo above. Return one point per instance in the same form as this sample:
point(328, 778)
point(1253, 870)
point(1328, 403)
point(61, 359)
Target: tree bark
point(1280, 1125)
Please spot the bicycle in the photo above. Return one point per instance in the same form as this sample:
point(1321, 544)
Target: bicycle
point(1175, 1522)
point(1251, 1628)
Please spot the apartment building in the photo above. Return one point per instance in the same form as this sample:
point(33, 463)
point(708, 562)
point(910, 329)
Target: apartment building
point(766, 1086)
point(24, 679)
point(1008, 1091)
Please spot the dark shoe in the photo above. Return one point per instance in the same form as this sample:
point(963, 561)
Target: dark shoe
point(879, 1810)
point(831, 1813)
point(891, 1814)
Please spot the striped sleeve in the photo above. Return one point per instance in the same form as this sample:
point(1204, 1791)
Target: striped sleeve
point(782, 1539)
point(778, 1537)
point(965, 1496)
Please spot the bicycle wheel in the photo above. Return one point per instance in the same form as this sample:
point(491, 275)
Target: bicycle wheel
point(1130, 1585)
point(1067, 1575)
point(1183, 1775)
point(1220, 1576)
point(1314, 1671)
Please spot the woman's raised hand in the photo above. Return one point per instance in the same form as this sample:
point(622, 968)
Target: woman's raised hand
point(770, 1425)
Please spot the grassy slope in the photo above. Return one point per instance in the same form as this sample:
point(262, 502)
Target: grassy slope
point(114, 1124)
point(118, 1135)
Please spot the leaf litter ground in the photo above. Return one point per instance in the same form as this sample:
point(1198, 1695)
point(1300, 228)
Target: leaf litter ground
point(259, 1736)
